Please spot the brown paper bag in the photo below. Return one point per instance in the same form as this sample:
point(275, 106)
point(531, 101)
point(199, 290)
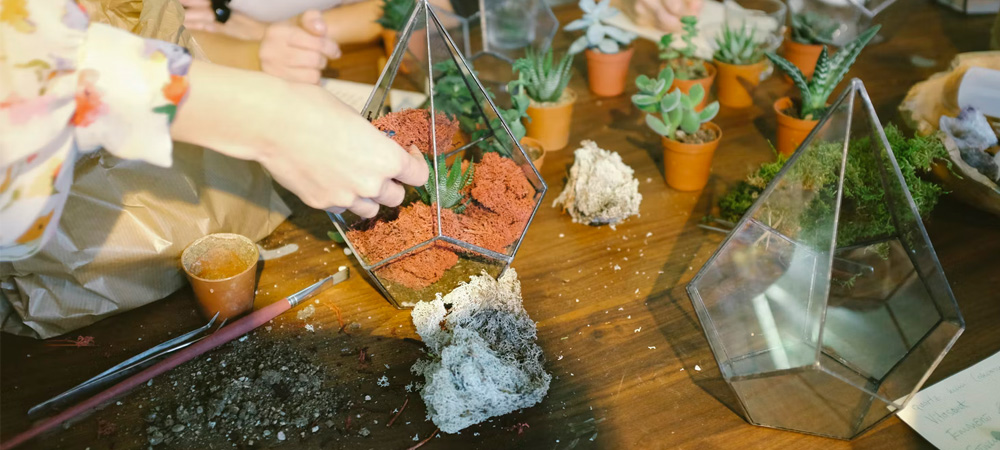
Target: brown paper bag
point(126, 222)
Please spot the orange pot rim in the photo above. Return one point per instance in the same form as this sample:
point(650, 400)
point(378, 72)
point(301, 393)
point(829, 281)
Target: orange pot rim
point(792, 122)
point(569, 92)
point(709, 67)
point(762, 63)
point(671, 145)
point(589, 53)
point(239, 237)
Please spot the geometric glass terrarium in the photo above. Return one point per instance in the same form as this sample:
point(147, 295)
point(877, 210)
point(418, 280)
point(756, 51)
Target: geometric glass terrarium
point(826, 307)
point(482, 192)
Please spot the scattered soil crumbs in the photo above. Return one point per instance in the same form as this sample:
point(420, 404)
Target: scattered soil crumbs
point(254, 390)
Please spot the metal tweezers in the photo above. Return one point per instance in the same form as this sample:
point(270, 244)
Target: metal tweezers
point(121, 370)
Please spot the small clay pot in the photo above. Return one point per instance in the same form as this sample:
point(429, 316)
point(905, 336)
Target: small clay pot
point(222, 269)
point(550, 122)
point(791, 130)
point(607, 72)
point(686, 167)
point(736, 82)
point(804, 56)
point(535, 151)
point(686, 85)
point(389, 43)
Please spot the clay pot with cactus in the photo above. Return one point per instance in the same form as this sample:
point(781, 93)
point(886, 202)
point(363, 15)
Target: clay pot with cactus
point(551, 103)
point(741, 63)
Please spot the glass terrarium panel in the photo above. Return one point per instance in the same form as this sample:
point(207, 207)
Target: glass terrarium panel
point(826, 306)
point(437, 267)
point(855, 16)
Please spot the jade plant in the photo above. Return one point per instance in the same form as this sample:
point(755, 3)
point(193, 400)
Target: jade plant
point(395, 13)
point(686, 65)
point(543, 80)
point(815, 92)
point(448, 188)
point(599, 35)
point(813, 29)
point(738, 46)
point(671, 114)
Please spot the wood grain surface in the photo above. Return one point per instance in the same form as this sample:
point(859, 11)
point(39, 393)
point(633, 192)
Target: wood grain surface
point(631, 367)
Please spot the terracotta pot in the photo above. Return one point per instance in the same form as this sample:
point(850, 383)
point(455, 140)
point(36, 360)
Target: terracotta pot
point(607, 72)
point(222, 269)
point(686, 167)
point(804, 56)
point(686, 85)
point(389, 43)
point(791, 131)
point(535, 151)
point(550, 122)
point(736, 83)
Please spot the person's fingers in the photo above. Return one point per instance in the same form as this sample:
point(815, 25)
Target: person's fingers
point(364, 207)
point(331, 49)
point(196, 3)
point(414, 171)
point(391, 195)
point(305, 41)
point(312, 21)
point(298, 75)
point(298, 58)
point(336, 210)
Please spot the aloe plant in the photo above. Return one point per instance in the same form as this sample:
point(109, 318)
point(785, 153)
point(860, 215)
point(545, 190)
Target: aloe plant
point(599, 35)
point(671, 112)
point(395, 14)
point(543, 81)
point(738, 46)
point(451, 181)
point(813, 29)
point(829, 71)
point(683, 60)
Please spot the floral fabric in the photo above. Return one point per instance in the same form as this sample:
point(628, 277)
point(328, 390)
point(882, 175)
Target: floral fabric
point(66, 87)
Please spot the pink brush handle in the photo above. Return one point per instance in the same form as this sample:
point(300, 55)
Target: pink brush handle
point(226, 334)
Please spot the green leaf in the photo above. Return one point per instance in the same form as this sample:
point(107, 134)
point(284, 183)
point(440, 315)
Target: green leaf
point(697, 93)
point(690, 123)
point(335, 237)
point(670, 101)
point(643, 100)
point(169, 109)
point(657, 125)
point(709, 112)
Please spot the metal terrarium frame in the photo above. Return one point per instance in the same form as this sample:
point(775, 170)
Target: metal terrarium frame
point(377, 105)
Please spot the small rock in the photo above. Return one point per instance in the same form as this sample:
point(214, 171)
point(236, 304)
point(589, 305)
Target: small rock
point(177, 428)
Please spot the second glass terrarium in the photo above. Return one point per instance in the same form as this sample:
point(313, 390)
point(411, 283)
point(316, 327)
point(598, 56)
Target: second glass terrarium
point(482, 192)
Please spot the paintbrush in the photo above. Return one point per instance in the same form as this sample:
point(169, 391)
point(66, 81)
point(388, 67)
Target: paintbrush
point(224, 335)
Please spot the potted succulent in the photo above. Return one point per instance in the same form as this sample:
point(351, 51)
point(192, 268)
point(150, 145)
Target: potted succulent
point(607, 60)
point(395, 13)
point(689, 70)
point(740, 61)
point(689, 139)
point(810, 32)
point(797, 119)
point(513, 117)
point(551, 102)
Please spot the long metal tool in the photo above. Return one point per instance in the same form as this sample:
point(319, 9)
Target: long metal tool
point(236, 329)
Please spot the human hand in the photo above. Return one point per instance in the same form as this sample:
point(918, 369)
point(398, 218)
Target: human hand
point(297, 50)
point(664, 15)
point(198, 15)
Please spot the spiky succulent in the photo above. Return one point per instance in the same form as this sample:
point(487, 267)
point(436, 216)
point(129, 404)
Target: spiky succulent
point(395, 14)
point(829, 71)
point(683, 60)
point(451, 181)
point(599, 35)
point(738, 46)
point(669, 111)
point(543, 81)
point(813, 29)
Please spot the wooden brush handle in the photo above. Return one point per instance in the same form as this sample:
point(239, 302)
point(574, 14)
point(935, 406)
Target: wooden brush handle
point(226, 334)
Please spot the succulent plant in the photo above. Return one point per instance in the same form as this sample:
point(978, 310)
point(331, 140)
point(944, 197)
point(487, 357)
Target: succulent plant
point(451, 181)
point(599, 35)
point(453, 97)
point(738, 46)
point(519, 102)
point(813, 29)
point(668, 112)
point(683, 60)
point(395, 14)
point(543, 81)
point(829, 71)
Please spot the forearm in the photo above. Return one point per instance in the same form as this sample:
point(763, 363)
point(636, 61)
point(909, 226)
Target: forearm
point(354, 23)
point(229, 110)
point(229, 51)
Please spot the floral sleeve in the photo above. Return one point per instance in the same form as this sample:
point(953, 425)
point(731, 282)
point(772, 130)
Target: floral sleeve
point(66, 87)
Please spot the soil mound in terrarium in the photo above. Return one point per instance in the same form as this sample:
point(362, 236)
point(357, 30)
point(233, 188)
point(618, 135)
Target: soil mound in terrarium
point(502, 200)
point(412, 127)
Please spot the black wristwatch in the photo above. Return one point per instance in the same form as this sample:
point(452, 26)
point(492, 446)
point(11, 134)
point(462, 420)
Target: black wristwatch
point(221, 10)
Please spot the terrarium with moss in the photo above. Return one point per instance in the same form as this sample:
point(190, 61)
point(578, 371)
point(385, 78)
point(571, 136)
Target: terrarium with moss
point(826, 306)
point(482, 191)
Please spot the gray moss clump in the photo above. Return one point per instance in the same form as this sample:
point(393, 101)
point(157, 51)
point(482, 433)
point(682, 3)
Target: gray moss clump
point(601, 189)
point(484, 361)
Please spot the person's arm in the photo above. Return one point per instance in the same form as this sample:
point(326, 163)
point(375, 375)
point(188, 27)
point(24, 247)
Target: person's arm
point(354, 23)
point(310, 142)
point(228, 51)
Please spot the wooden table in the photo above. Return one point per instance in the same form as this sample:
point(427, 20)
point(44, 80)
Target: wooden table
point(623, 346)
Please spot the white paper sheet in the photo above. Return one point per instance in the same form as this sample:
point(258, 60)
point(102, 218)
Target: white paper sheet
point(356, 94)
point(961, 412)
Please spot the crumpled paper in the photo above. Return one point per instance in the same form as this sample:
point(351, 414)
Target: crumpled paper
point(126, 222)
